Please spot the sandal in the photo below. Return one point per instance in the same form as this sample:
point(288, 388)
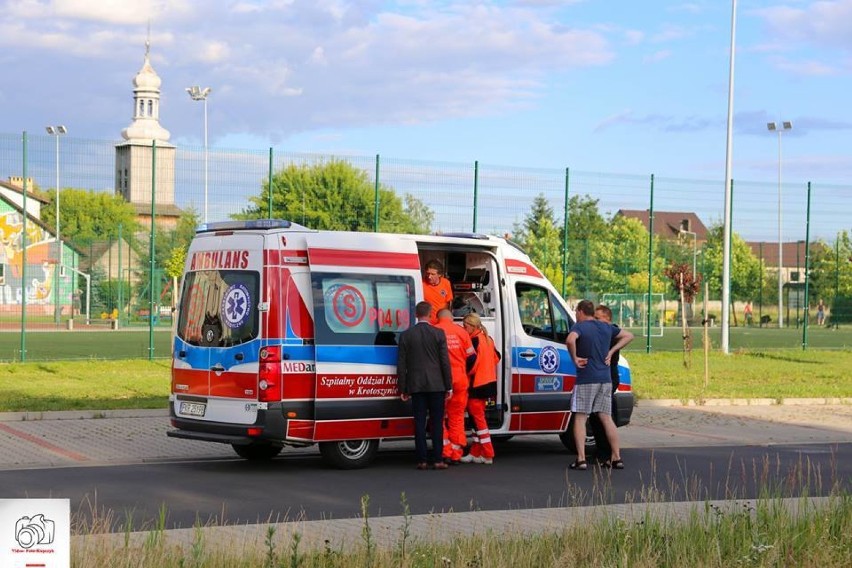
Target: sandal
point(580, 464)
point(615, 464)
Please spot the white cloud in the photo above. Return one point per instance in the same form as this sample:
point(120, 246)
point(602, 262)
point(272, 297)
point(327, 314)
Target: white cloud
point(657, 56)
point(820, 23)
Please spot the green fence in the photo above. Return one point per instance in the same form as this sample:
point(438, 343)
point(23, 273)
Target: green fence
point(111, 276)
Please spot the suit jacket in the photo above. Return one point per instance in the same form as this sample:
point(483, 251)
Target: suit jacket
point(423, 364)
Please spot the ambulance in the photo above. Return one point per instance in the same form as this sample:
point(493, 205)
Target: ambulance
point(286, 336)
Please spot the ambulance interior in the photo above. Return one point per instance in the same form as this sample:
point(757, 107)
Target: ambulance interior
point(473, 276)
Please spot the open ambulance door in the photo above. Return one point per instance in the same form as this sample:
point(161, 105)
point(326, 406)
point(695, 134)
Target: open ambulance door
point(543, 373)
point(364, 288)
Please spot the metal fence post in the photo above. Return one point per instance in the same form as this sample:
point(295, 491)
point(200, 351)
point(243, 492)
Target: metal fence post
point(151, 252)
point(24, 260)
point(376, 199)
point(807, 270)
point(475, 191)
point(118, 279)
point(565, 240)
point(269, 214)
point(650, 269)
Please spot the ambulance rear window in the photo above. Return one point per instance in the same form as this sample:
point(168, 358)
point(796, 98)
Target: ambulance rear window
point(361, 309)
point(219, 308)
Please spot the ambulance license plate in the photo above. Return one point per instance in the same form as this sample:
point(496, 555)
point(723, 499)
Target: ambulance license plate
point(193, 408)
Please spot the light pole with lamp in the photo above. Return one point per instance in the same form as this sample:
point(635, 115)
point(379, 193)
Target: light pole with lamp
point(196, 93)
point(56, 132)
point(779, 128)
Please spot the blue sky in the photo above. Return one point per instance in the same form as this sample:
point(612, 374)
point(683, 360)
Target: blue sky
point(633, 87)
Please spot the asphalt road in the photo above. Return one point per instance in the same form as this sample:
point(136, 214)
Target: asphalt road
point(529, 473)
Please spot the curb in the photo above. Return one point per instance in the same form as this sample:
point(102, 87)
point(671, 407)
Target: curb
point(674, 402)
point(648, 403)
point(83, 414)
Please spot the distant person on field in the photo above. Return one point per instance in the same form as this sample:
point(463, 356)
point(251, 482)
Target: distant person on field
point(591, 344)
point(821, 312)
point(748, 314)
point(437, 289)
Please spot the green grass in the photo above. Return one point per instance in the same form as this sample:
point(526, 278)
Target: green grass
point(742, 374)
point(761, 532)
point(84, 385)
point(139, 383)
point(75, 345)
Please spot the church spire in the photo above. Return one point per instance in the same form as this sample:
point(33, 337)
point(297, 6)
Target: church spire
point(146, 103)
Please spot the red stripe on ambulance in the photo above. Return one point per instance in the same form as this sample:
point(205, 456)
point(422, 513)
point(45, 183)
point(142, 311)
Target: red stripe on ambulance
point(363, 429)
point(519, 267)
point(364, 258)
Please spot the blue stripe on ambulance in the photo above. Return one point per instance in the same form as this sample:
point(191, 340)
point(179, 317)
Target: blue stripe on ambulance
point(566, 365)
point(362, 354)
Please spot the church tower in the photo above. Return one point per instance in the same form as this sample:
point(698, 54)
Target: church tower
point(134, 158)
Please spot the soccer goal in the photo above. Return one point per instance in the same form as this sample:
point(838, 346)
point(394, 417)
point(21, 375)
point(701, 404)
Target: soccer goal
point(631, 311)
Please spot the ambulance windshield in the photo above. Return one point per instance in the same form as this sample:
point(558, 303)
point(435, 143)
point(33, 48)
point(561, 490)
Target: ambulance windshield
point(219, 308)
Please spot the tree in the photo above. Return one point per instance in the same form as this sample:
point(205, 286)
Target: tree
point(335, 195)
point(87, 216)
point(623, 260)
point(745, 267)
point(541, 237)
point(587, 233)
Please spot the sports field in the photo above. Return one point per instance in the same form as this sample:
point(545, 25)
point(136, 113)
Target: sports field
point(134, 343)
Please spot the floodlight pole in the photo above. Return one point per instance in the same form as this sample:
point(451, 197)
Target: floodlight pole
point(779, 128)
point(56, 132)
point(196, 93)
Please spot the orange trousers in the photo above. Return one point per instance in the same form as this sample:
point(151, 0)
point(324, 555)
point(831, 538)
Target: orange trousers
point(455, 438)
point(481, 446)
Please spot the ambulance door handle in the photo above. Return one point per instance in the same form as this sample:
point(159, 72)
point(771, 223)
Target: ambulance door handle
point(217, 368)
point(238, 356)
point(528, 355)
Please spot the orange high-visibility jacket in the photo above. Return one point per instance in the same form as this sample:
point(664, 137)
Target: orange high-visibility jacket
point(460, 349)
point(485, 369)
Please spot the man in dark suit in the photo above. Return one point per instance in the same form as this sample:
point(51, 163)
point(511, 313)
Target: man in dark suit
point(423, 368)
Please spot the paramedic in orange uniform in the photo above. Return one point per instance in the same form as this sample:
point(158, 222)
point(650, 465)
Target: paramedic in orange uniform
point(483, 386)
point(462, 360)
point(436, 289)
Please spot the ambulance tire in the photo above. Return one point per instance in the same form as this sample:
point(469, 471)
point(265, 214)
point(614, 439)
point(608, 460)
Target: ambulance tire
point(349, 454)
point(567, 438)
point(257, 451)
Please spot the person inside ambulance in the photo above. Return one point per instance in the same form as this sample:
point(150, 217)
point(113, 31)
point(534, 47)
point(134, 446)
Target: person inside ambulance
point(437, 289)
point(462, 360)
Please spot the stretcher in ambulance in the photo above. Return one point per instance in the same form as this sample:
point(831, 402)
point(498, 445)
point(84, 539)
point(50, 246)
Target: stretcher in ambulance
point(287, 336)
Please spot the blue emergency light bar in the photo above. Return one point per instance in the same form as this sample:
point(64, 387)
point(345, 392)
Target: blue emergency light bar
point(240, 225)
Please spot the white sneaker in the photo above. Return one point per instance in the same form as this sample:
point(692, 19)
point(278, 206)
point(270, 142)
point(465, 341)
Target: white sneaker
point(486, 461)
point(468, 459)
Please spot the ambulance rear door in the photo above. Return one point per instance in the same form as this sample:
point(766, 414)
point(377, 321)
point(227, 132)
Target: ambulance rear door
point(215, 360)
point(364, 287)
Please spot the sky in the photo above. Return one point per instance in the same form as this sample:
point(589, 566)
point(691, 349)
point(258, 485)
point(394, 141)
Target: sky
point(626, 86)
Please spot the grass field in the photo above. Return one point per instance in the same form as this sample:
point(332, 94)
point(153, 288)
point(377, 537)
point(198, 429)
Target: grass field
point(139, 383)
point(131, 343)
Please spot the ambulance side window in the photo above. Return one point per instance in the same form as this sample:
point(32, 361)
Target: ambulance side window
point(361, 309)
point(542, 315)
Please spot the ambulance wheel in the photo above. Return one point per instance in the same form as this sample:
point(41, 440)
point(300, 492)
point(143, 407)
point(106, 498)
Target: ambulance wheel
point(257, 452)
point(567, 438)
point(349, 454)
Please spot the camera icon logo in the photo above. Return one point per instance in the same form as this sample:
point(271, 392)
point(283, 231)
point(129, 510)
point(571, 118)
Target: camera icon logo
point(30, 531)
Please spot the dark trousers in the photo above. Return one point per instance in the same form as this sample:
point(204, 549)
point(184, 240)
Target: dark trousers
point(431, 404)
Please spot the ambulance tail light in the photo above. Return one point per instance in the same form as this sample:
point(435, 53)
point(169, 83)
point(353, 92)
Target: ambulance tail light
point(269, 374)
